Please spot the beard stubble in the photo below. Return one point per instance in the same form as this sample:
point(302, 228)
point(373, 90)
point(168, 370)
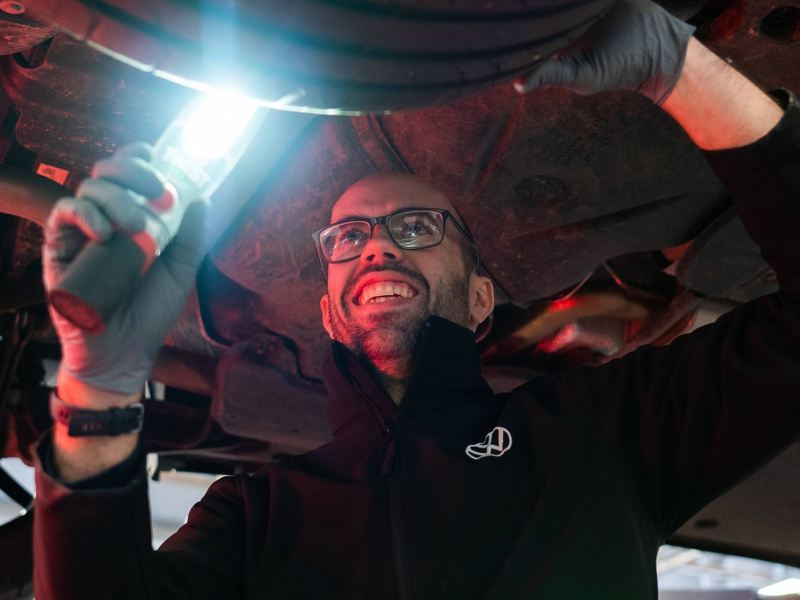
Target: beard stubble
point(393, 335)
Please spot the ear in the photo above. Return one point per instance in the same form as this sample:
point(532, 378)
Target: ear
point(481, 300)
point(326, 315)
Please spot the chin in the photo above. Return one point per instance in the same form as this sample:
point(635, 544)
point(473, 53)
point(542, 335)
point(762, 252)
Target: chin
point(386, 345)
point(390, 338)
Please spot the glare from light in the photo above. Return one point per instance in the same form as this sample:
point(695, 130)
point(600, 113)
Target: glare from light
point(215, 124)
point(782, 588)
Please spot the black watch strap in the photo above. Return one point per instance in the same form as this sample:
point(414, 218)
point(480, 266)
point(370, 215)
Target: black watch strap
point(81, 422)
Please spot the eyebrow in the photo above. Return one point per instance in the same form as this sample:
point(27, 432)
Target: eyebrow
point(350, 218)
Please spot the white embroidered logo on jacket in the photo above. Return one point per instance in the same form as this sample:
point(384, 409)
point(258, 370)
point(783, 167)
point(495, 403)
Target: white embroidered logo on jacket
point(497, 443)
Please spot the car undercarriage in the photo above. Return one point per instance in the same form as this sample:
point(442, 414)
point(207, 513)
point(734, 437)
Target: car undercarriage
point(599, 222)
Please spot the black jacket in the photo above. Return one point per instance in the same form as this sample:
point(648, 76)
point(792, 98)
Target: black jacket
point(591, 470)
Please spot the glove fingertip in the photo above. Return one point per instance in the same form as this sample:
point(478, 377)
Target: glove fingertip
point(100, 231)
point(521, 85)
point(141, 150)
point(130, 172)
point(546, 73)
point(531, 82)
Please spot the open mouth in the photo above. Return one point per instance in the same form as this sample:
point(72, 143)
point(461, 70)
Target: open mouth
point(379, 292)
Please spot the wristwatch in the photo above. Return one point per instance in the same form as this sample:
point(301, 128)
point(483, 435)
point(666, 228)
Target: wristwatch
point(81, 422)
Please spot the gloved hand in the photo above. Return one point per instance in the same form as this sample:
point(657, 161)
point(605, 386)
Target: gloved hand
point(121, 357)
point(637, 46)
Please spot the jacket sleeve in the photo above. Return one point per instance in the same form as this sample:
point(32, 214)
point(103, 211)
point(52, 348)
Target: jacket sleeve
point(96, 542)
point(692, 419)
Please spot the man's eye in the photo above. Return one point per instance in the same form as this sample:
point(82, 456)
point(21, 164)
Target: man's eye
point(415, 227)
point(350, 237)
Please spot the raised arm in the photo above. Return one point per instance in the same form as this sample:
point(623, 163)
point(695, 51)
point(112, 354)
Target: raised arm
point(108, 369)
point(692, 419)
point(638, 46)
point(92, 526)
point(718, 106)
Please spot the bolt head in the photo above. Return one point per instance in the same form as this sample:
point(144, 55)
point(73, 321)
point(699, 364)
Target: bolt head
point(12, 7)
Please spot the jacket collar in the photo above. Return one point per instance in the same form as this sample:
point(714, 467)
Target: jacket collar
point(446, 373)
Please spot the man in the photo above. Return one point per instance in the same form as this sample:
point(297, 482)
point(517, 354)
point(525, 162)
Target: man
point(434, 487)
point(376, 305)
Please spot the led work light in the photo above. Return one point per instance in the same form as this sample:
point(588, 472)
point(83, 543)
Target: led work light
point(195, 153)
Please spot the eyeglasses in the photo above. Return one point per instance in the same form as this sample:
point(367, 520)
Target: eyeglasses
point(409, 229)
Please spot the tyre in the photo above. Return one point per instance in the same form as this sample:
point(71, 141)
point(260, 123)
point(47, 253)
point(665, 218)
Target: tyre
point(331, 56)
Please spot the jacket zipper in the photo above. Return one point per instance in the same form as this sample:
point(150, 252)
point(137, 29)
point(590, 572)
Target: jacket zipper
point(398, 531)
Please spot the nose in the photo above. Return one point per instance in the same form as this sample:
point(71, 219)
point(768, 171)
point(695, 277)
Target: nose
point(380, 247)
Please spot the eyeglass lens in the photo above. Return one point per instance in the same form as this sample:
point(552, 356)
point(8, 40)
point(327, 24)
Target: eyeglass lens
point(409, 230)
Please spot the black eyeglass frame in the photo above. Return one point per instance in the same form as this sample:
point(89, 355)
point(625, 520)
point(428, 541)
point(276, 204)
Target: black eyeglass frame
point(384, 220)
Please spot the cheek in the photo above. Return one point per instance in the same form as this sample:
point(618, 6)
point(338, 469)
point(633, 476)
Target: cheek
point(443, 266)
point(436, 286)
point(338, 276)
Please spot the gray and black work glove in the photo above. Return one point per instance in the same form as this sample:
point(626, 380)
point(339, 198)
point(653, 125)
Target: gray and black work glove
point(121, 357)
point(637, 46)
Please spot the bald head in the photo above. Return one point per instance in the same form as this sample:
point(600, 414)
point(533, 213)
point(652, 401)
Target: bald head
point(391, 188)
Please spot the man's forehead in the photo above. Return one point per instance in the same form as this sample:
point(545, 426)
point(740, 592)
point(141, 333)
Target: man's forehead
point(384, 193)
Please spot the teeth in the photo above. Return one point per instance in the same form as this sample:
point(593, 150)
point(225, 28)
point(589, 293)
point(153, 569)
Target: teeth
point(383, 290)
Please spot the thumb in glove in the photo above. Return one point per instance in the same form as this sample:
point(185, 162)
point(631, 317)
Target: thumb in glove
point(570, 71)
point(637, 46)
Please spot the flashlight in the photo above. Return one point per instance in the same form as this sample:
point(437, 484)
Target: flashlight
point(195, 153)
